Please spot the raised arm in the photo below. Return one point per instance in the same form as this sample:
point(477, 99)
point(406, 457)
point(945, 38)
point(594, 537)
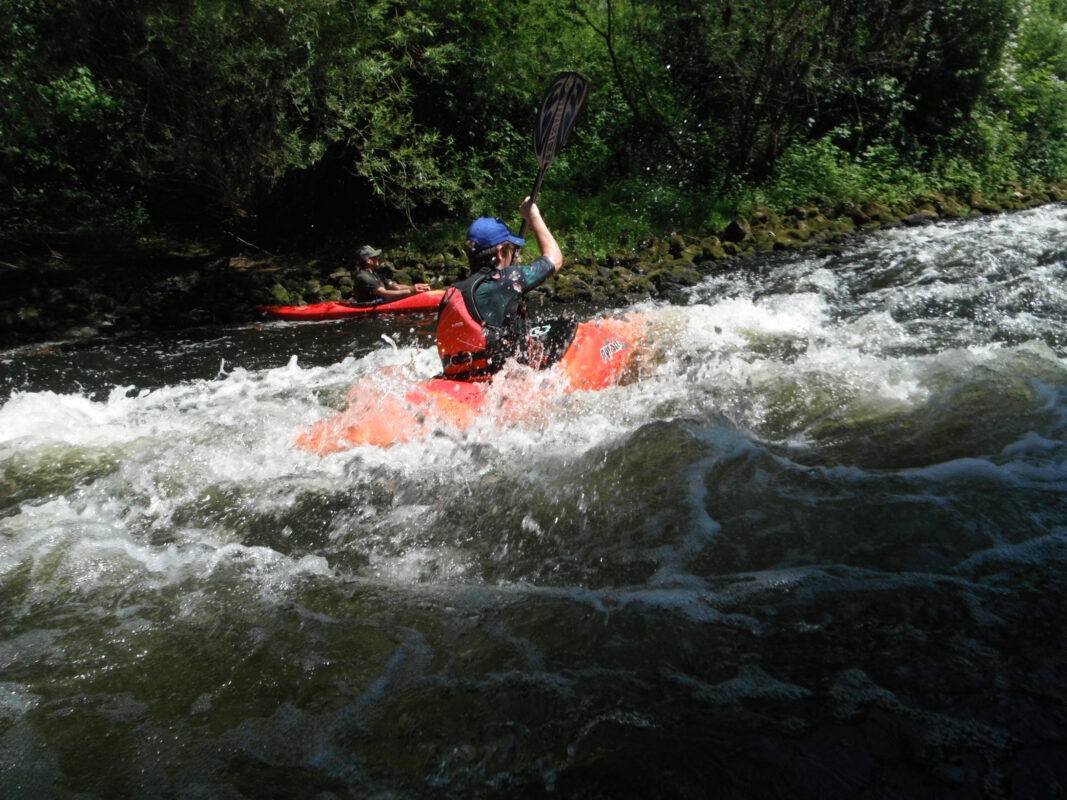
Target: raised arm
point(545, 240)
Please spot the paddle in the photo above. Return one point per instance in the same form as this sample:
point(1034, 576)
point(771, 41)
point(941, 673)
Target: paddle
point(563, 101)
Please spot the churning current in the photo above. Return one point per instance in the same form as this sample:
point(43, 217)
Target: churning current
point(817, 550)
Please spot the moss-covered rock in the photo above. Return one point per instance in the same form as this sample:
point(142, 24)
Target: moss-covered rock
point(711, 249)
point(571, 288)
point(676, 244)
point(791, 237)
point(737, 231)
point(1056, 192)
point(983, 204)
point(764, 239)
point(280, 295)
point(878, 214)
point(673, 276)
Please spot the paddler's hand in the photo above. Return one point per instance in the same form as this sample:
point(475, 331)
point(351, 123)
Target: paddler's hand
point(527, 209)
point(422, 287)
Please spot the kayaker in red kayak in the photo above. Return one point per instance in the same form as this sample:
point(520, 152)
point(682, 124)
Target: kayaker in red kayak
point(478, 314)
point(482, 321)
point(372, 288)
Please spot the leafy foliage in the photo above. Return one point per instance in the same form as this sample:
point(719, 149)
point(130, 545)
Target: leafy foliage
point(1030, 100)
point(276, 120)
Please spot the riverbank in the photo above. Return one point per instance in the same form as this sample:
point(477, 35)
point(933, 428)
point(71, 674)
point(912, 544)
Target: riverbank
point(70, 286)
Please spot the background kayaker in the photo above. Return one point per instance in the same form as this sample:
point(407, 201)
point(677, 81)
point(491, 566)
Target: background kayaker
point(369, 287)
point(482, 321)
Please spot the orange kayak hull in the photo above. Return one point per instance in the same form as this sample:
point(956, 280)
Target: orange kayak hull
point(387, 408)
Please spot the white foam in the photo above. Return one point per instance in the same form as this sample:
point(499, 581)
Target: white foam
point(776, 364)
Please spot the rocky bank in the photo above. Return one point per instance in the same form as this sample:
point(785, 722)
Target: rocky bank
point(70, 286)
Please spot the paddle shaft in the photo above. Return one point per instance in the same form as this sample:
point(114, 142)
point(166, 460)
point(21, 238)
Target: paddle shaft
point(533, 198)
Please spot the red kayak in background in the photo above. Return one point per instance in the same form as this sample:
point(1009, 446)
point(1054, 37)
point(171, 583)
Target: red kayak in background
point(389, 407)
point(420, 303)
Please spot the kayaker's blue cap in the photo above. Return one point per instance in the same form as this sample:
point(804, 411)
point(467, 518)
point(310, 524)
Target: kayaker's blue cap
point(489, 232)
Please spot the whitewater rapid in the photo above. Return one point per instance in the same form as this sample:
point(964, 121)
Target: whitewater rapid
point(825, 514)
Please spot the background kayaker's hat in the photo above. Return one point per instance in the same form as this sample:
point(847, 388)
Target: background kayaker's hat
point(366, 251)
point(489, 232)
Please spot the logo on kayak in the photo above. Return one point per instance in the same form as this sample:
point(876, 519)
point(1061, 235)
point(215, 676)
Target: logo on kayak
point(610, 348)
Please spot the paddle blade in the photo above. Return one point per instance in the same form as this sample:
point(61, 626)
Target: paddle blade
point(563, 103)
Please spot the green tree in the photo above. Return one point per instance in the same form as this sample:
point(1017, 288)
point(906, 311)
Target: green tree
point(1029, 96)
point(279, 118)
point(65, 126)
point(719, 85)
point(198, 109)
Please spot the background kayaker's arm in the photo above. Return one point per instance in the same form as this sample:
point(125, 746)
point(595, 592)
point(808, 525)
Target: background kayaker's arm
point(391, 290)
point(545, 240)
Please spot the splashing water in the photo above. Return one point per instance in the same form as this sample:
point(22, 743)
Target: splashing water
point(817, 550)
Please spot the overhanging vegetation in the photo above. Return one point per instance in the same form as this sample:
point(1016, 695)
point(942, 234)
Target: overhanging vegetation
point(281, 123)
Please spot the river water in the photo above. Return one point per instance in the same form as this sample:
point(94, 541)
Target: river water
point(818, 551)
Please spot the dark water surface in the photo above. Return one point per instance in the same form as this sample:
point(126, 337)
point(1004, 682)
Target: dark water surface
point(819, 551)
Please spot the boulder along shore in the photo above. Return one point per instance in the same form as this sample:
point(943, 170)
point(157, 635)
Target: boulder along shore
point(71, 286)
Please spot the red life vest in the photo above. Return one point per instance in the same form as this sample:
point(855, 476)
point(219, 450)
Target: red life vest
point(461, 341)
point(469, 349)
